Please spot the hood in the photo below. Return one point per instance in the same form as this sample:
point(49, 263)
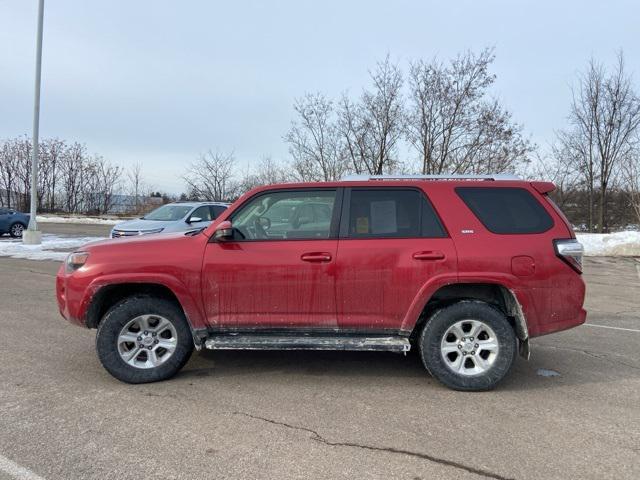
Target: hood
point(140, 224)
point(136, 240)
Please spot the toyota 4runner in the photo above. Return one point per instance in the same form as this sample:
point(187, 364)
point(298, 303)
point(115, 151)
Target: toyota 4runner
point(464, 269)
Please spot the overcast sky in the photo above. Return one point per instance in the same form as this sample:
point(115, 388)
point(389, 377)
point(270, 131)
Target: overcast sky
point(161, 81)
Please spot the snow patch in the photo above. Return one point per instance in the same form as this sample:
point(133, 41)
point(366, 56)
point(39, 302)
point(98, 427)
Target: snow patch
point(619, 244)
point(80, 220)
point(48, 250)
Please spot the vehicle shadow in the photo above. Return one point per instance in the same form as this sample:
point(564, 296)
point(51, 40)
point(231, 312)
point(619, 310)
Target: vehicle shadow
point(548, 367)
point(232, 363)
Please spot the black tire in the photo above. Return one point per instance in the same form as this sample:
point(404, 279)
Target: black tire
point(16, 228)
point(430, 342)
point(118, 317)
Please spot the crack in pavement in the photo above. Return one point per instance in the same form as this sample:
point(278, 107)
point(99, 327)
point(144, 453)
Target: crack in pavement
point(601, 356)
point(320, 439)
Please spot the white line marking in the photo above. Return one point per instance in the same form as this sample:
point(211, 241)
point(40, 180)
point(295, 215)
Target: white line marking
point(638, 269)
point(16, 471)
point(612, 328)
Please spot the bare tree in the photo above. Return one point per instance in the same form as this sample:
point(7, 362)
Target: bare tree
point(372, 127)
point(560, 170)
point(68, 179)
point(211, 177)
point(21, 150)
point(453, 125)
point(314, 140)
point(73, 177)
point(51, 152)
point(266, 172)
point(8, 174)
point(136, 186)
point(103, 180)
point(604, 120)
point(631, 179)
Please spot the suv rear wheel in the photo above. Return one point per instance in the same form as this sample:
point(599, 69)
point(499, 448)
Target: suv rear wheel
point(144, 339)
point(469, 346)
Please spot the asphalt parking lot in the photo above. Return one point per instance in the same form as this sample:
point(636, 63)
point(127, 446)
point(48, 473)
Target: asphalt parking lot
point(572, 411)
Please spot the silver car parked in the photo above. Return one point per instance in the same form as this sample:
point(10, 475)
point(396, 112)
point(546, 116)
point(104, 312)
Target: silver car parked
point(173, 217)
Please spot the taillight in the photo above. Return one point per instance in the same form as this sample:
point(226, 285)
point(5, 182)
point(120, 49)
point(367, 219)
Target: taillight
point(571, 252)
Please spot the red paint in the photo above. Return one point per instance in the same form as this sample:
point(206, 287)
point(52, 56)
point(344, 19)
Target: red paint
point(378, 280)
point(249, 284)
point(523, 266)
point(340, 283)
point(543, 187)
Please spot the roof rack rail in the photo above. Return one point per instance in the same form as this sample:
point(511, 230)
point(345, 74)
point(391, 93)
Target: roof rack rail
point(453, 176)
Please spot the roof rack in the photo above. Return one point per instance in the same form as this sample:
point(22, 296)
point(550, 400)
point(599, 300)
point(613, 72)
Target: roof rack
point(453, 176)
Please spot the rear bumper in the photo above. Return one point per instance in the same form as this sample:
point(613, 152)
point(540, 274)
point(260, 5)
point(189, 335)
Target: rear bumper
point(556, 307)
point(564, 324)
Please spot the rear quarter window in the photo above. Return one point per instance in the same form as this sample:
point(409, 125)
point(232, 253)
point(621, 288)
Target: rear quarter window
point(506, 210)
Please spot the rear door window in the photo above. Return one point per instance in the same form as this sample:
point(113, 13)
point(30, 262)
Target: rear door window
point(391, 213)
point(216, 210)
point(203, 213)
point(506, 210)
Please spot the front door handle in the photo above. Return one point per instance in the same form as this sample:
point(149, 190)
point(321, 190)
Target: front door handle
point(316, 257)
point(429, 255)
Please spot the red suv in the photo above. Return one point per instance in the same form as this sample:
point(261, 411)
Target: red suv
point(464, 269)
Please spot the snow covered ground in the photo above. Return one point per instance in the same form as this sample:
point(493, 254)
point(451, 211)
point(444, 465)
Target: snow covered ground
point(619, 244)
point(80, 220)
point(53, 247)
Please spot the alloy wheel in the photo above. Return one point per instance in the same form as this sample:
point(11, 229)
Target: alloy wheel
point(16, 230)
point(469, 347)
point(147, 341)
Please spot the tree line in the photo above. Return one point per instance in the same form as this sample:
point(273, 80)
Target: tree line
point(596, 158)
point(440, 113)
point(439, 117)
point(430, 117)
point(70, 180)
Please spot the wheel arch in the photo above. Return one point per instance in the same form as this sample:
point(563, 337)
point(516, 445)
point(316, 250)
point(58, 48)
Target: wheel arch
point(109, 295)
point(25, 225)
point(495, 294)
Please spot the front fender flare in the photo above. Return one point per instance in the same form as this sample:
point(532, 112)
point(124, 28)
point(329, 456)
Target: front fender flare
point(190, 305)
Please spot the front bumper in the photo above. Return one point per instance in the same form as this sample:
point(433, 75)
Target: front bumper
point(67, 298)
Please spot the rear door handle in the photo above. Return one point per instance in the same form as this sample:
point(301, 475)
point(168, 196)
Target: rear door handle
point(429, 255)
point(316, 257)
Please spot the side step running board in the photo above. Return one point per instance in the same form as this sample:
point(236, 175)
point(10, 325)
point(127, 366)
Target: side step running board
point(304, 342)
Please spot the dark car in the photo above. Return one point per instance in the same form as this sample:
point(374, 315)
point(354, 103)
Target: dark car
point(12, 222)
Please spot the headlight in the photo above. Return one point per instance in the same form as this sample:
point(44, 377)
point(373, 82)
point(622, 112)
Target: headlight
point(75, 260)
point(148, 232)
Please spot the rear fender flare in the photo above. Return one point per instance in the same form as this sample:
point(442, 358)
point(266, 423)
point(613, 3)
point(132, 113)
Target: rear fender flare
point(515, 300)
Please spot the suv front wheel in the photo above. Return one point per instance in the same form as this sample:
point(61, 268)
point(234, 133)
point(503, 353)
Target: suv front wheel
point(144, 339)
point(468, 346)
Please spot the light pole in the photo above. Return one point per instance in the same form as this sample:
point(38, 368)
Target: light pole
point(32, 235)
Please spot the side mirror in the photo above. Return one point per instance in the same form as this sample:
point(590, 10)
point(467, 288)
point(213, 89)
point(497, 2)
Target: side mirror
point(194, 220)
point(223, 232)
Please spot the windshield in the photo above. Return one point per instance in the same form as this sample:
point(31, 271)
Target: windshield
point(168, 213)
